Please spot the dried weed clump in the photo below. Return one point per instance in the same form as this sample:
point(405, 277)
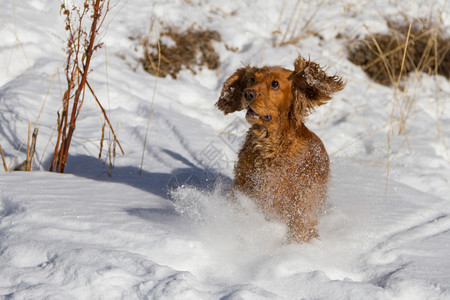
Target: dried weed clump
point(381, 55)
point(177, 50)
point(82, 42)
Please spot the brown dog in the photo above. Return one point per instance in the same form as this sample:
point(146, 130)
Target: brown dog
point(282, 165)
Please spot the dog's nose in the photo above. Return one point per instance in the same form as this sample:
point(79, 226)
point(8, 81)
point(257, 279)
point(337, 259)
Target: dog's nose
point(249, 95)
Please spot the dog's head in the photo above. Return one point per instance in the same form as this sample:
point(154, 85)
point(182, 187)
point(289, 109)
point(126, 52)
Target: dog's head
point(273, 94)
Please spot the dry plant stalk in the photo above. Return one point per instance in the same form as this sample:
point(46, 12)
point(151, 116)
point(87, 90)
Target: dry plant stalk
point(101, 141)
point(27, 161)
point(294, 33)
point(104, 115)
point(18, 45)
point(403, 117)
point(111, 146)
point(31, 150)
point(3, 159)
point(27, 164)
point(151, 106)
point(112, 153)
point(80, 48)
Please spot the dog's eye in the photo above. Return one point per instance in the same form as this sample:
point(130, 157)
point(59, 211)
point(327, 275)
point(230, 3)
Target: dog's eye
point(275, 85)
point(252, 80)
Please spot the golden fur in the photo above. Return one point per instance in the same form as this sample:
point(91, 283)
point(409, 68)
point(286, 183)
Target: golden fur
point(282, 165)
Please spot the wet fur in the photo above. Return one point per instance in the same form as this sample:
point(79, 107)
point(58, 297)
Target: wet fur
point(282, 165)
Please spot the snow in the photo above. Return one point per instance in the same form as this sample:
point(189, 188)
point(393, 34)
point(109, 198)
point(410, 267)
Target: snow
point(170, 232)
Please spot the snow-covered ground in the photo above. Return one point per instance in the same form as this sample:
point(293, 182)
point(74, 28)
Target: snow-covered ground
point(169, 232)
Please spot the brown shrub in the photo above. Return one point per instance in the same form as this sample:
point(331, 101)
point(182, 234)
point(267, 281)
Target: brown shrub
point(189, 48)
point(427, 51)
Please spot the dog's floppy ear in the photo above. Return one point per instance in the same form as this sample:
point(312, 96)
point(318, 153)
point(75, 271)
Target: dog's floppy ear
point(311, 86)
point(231, 96)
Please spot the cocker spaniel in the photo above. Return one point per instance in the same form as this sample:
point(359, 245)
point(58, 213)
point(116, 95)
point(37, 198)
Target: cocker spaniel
point(282, 165)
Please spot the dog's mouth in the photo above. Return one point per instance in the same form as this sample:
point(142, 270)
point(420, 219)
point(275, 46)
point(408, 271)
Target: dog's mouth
point(251, 114)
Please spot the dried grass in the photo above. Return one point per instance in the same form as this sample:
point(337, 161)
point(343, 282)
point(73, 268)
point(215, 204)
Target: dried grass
point(381, 55)
point(299, 25)
point(81, 45)
point(411, 46)
point(191, 48)
point(5, 165)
